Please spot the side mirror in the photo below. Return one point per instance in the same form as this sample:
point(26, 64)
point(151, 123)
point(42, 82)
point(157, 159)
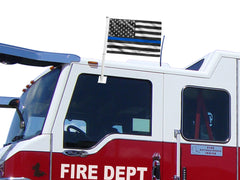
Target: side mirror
point(9, 102)
point(12, 102)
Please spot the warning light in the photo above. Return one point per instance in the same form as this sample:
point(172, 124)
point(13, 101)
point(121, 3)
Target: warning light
point(93, 64)
point(52, 68)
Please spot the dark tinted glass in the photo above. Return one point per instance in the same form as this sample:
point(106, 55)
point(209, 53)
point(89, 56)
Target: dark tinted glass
point(121, 106)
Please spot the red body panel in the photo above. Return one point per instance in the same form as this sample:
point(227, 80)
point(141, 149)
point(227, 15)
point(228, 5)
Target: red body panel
point(127, 159)
point(123, 160)
point(209, 167)
point(33, 165)
point(200, 167)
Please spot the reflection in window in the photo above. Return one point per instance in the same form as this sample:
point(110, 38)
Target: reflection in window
point(120, 106)
point(141, 125)
point(81, 124)
point(206, 115)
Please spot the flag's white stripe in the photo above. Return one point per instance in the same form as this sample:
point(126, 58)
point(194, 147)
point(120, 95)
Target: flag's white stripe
point(150, 24)
point(147, 35)
point(148, 30)
point(133, 45)
point(132, 51)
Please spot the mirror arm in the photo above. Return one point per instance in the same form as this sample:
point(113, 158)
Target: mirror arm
point(13, 102)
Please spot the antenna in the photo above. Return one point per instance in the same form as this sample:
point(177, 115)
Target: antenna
point(161, 50)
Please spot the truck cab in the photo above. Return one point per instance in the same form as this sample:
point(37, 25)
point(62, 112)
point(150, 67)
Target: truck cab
point(145, 122)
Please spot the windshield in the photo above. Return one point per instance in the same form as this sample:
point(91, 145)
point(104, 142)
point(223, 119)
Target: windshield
point(34, 105)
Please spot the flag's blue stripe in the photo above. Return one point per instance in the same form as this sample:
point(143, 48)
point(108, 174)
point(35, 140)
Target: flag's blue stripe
point(134, 40)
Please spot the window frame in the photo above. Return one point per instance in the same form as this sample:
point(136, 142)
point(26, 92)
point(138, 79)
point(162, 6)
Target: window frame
point(229, 114)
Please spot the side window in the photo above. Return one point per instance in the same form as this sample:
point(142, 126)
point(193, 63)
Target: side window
point(121, 106)
point(205, 114)
point(196, 66)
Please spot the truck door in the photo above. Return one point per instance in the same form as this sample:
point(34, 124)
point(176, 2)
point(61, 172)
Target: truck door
point(209, 149)
point(106, 131)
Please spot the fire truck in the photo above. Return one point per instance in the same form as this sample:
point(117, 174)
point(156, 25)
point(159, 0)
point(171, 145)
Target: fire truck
point(145, 122)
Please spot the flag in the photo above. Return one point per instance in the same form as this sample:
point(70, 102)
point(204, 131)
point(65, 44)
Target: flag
point(134, 37)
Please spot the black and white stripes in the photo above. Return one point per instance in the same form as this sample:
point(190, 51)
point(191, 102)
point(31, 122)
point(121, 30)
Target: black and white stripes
point(134, 37)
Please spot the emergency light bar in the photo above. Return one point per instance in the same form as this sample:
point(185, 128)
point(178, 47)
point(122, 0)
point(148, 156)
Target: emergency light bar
point(12, 54)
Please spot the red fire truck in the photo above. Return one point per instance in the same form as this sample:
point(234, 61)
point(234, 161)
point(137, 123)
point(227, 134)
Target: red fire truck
point(145, 122)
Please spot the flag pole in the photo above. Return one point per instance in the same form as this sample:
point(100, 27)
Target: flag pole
point(103, 79)
point(161, 50)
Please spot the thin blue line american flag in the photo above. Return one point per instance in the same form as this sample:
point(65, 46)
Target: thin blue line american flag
point(134, 37)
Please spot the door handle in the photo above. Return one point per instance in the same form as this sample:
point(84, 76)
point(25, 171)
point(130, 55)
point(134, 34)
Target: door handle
point(75, 153)
point(156, 166)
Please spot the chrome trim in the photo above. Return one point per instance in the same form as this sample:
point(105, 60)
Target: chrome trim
point(74, 153)
point(177, 135)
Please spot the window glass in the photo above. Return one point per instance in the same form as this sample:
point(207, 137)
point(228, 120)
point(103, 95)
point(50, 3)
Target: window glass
point(121, 106)
point(206, 115)
point(196, 66)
